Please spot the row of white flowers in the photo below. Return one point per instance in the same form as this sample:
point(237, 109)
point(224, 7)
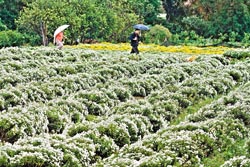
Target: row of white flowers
point(95, 101)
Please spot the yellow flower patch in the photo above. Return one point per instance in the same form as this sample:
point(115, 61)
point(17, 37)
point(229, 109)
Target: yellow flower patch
point(153, 48)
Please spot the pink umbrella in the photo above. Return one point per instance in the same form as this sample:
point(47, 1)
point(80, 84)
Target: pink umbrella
point(60, 29)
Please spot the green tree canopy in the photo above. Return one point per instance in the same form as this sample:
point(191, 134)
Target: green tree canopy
point(87, 19)
point(175, 9)
point(9, 11)
point(146, 9)
point(208, 17)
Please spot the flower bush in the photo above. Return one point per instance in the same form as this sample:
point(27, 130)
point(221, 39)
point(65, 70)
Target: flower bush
point(80, 107)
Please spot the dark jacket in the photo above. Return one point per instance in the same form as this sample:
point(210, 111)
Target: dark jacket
point(134, 42)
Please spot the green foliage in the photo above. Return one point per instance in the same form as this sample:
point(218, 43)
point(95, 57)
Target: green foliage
point(247, 147)
point(246, 39)
point(238, 54)
point(118, 132)
point(91, 19)
point(196, 24)
point(157, 35)
point(146, 9)
point(56, 121)
point(12, 38)
point(231, 18)
point(189, 38)
point(227, 156)
point(2, 26)
point(9, 12)
point(209, 18)
point(87, 19)
point(174, 9)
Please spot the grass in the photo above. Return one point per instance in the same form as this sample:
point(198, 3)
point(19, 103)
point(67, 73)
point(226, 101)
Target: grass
point(192, 109)
point(219, 158)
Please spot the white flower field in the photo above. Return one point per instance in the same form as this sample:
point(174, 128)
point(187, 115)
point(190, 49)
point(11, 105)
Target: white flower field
point(84, 108)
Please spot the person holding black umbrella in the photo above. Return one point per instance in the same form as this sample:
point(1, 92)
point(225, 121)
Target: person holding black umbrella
point(136, 36)
point(135, 39)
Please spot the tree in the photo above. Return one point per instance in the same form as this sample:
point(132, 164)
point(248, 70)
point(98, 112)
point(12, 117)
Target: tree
point(119, 18)
point(9, 11)
point(37, 15)
point(2, 26)
point(147, 10)
point(234, 17)
point(175, 10)
point(209, 17)
point(225, 16)
point(87, 19)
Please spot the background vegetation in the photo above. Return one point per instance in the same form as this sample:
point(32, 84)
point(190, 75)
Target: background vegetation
point(196, 22)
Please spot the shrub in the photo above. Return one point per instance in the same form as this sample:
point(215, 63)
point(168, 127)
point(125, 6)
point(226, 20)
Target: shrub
point(158, 35)
point(194, 23)
point(189, 38)
point(11, 38)
point(237, 54)
point(33, 39)
point(116, 131)
point(246, 39)
point(14, 38)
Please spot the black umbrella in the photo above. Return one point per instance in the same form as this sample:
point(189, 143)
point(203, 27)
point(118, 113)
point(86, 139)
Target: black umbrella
point(141, 27)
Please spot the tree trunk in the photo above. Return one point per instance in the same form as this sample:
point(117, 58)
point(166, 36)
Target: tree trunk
point(44, 33)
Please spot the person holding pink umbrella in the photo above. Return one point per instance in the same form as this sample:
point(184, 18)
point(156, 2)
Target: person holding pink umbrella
point(59, 42)
point(58, 36)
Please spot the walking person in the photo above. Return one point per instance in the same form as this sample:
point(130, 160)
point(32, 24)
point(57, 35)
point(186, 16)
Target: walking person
point(58, 36)
point(59, 42)
point(135, 39)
